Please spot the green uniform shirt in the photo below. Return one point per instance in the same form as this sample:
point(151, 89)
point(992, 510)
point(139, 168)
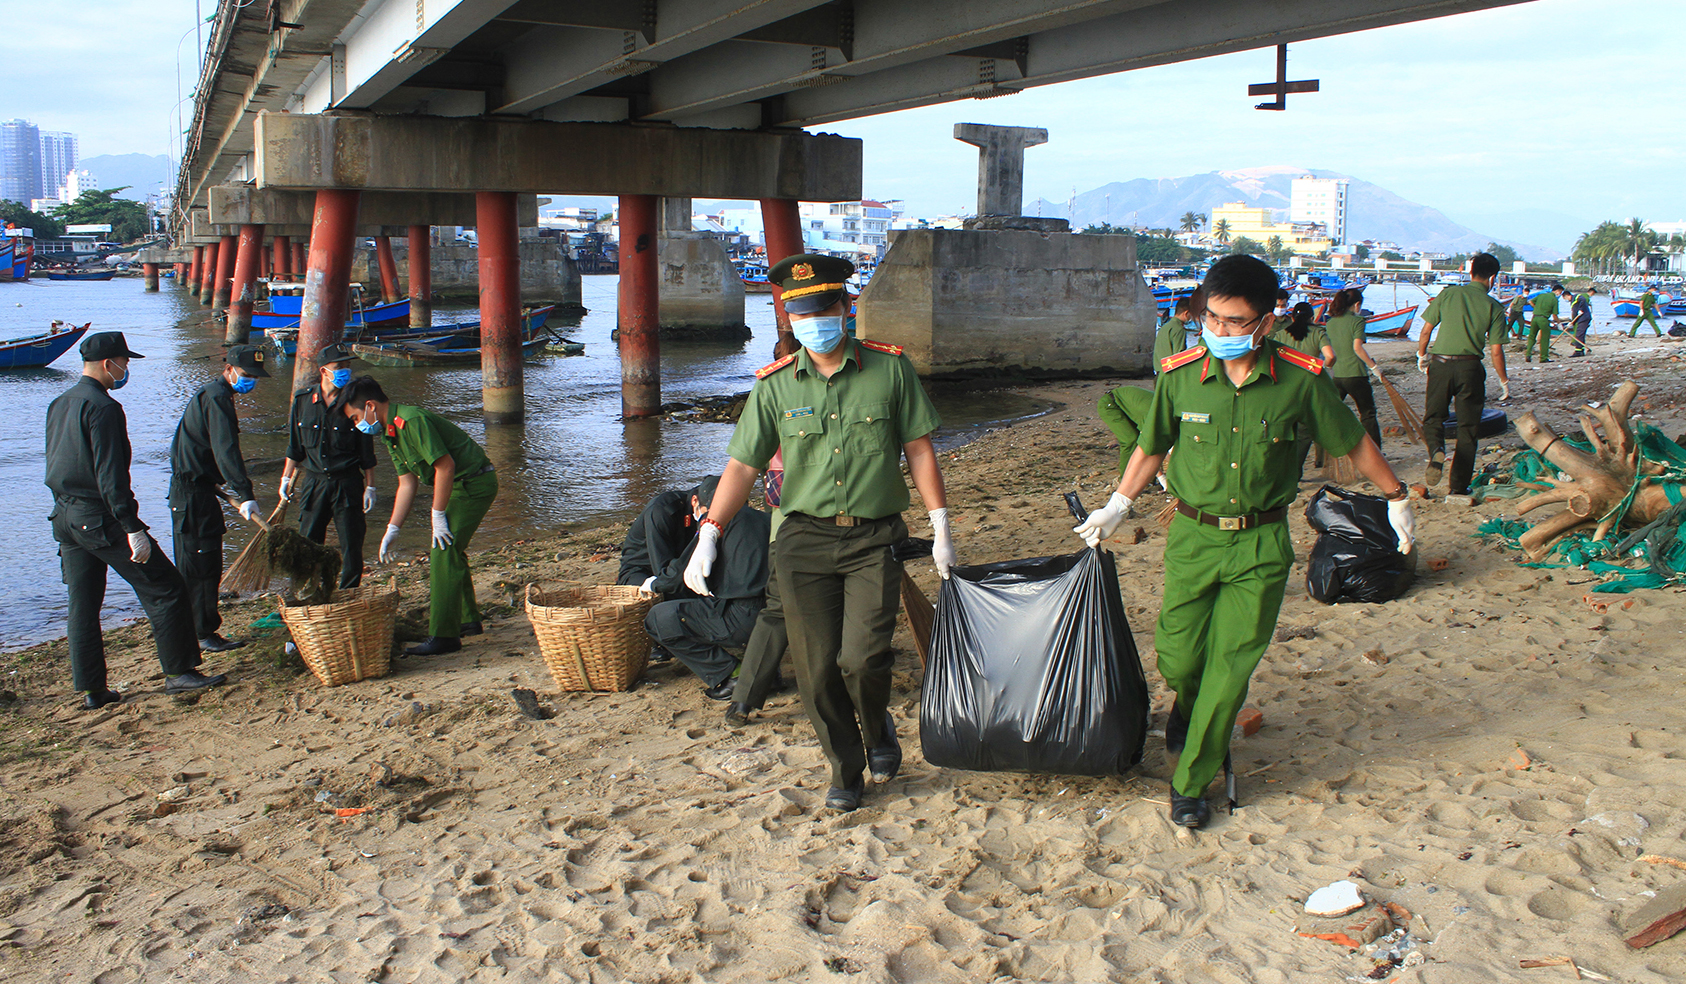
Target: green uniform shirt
point(1545, 308)
point(1343, 330)
point(1517, 303)
point(1468, 318)
point(1647, 303)
point(1236, 452)
point(1171, 339)
point(418, 438)
point(842, 437)
point(1312, 344)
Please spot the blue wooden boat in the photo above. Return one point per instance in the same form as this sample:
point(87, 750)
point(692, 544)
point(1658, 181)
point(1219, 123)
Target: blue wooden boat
point(396, 313)
point(1394, 324)
point(466, 332)
point(40, 350)
point(81, 275)
point(410, 356)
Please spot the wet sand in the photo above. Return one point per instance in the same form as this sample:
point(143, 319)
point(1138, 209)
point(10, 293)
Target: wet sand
point(1488, 752)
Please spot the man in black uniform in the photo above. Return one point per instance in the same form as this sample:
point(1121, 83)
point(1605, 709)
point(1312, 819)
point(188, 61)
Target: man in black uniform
point(204, 455)
point(97, 524)
point(338, 464)
point(659, 534)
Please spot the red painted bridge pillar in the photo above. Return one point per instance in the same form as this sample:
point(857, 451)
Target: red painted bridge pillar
point(781, 223)
point(389, 269)
point(150, 272)
point(226, 250)
point(208, 274)
point(421, 277)
point(193, 274)
point(327, 279)
point(244, 288)
point(283, 263)
point(638, 309)
point(502, 391)
point(181, 274)
point(298, 259)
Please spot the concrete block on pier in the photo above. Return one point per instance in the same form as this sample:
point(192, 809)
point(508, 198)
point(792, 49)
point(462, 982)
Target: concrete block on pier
point(548, 275)
point(701, 292)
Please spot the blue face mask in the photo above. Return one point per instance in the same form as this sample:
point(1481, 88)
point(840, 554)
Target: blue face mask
point(118, 384)
point(819, 334)
point(244, 384)
point(370, 427)
point(1226, 346)
point(341, 377)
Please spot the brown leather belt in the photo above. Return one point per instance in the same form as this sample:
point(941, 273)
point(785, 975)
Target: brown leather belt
point(1454, 358)
point(841, 520)
point(1232, 522)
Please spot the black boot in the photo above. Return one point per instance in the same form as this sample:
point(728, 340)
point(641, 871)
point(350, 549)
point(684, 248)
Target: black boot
point(434, 646)
point(1189, 811)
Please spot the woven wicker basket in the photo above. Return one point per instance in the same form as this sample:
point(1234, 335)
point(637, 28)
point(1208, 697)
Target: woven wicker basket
point(591, 636)
point(350, 638)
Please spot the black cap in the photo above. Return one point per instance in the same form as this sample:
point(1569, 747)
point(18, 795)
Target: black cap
point(705, 490)
point(107, 345)
point(336, 352)
point(811, 281)
point(249, 358)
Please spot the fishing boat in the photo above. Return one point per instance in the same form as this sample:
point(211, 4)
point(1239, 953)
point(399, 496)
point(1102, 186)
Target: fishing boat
point(1394, 324)
point(40, 350)
point(81, 274)
point(286, 338)
point(754, 277)
point(8, 257)
point(1166, 295)
point(566, 348)
point(1676, 306)
point(409, 355)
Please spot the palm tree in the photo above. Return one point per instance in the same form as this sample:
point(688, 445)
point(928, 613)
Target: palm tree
point(1221, 231)
point(1192, 221)
point(1640, 241)
point(1275, 249)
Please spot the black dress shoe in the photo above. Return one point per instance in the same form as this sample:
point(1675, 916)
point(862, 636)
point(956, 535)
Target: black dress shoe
point(1189, 811)
point(722, 690)
point(737, 715)
point(192, 680)
point(96, 699)
point(845, 798)
point(215, 643)
point(470, 628)
point(886, 760)
point(660, 656)
point(434, 646)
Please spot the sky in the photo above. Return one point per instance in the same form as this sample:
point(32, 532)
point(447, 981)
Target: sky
point(1552, 111)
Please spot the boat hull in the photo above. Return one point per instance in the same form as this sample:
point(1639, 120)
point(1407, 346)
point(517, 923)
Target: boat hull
point(1394, 324)
point(413, 356)
point(38, 350)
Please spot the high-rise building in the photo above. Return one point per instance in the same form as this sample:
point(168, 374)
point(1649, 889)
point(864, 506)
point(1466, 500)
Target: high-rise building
point(58, 158)
point(1320, 200)
point(20, 161)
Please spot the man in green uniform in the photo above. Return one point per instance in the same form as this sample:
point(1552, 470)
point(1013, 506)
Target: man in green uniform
point(97, 524)
point(338, 463)
point(1545, 318)
point(1460, 321)
point(427, 448)
point(1172, 336)
point(843, 412)
point(1516, 321)
point(204, 455)
point(1231, 408)
point(1647, 312)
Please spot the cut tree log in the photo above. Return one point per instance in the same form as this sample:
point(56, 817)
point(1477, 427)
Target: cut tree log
point(1597, 482)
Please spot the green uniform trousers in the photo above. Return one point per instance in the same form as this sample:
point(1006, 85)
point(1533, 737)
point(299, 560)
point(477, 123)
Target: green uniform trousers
point(1463, 386)
point(1650, 316)
point(1215, 621)
point(450, 583)
point(1123, 410)
point(846, 592)
point(767, 644)
point(1538, 331)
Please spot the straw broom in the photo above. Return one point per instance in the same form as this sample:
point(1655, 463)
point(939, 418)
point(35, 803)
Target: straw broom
point(1408, 418)
point(250, 571)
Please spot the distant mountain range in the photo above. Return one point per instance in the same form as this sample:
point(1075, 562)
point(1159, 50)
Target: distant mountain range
point(1373, 211)
point(143, 173)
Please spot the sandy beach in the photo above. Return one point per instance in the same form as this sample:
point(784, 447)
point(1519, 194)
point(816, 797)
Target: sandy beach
point(1490, 754)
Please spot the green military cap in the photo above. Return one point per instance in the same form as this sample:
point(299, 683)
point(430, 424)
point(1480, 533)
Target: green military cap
point(811, 281)
point(249, 358)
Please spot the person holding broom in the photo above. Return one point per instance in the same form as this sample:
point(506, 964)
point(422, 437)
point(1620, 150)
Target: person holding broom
point(1231, 407)
point(427, 448)
point(338, 463)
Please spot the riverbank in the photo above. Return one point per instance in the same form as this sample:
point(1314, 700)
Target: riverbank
point(1489, 753)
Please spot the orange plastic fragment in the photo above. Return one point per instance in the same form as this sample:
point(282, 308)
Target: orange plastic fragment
point(351, 811)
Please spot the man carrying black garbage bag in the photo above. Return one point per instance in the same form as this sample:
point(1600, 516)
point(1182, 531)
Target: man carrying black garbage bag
point(1231, 408)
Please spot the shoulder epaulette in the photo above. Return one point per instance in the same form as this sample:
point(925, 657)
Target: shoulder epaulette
point(884, 347)
point(1310, 363)
point(1182, 358)
point(772, 367)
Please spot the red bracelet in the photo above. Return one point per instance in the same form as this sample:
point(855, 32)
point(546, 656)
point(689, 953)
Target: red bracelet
point(711, 521)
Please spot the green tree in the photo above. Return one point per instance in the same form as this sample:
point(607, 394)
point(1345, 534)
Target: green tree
point(128, 219)
point(1640, 241)
point(1157, 249)
point(1104, 229)
point(1192, 221)
point(1221, 231)
point(1363, 251)
point(1276, 249)
point(1244, 245)
point(45, 228)
point(1504, 254)
point(1388, 254)
point(1603, 249)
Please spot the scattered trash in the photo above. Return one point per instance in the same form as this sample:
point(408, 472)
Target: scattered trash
point(273, 910)
point(1334, 900)
point(175, 795)
point(1663, 859)
point(528, 703)
point(352, 811)
point(1658, 919)
point(1376, 657)
point(1520, 760)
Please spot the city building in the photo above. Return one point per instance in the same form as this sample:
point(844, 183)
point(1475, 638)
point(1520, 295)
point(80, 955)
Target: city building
point(20, 161)
point(1307, 238)
point(58, 158)
point(849, 227)
point(1319, 200)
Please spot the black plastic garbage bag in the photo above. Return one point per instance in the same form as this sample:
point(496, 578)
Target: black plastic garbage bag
point(1033, 669)
point(1356, 557)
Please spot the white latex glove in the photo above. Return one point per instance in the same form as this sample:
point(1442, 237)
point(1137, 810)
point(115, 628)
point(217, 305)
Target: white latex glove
point(249, 510)
point(702, 560)
point(387, 541)
point(1504, 391)
point(1422, 363)
point(1104, 520)
point(442, 537)
point(1404, 523)
point(368, 498)
point(942, 542)
point(286, 488)
point(648, 588)
point(140, 547)
point(1376, 371)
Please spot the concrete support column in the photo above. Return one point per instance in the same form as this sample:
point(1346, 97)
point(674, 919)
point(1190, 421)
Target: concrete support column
point(781, 221)
point(244, 285)
point(283, 269)
point(225, 273)
point(298, 259)
point(150, 272)
point(421, 277)
point(502, 393)
point(639, 308)
point(181, 274)
point(327, 279)
point(266, 264)
point(193, 274)
point(208, 274)
point(389, 269)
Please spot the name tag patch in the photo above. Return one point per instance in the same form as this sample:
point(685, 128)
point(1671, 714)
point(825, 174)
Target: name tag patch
point(1189, 417)
point(799, 412)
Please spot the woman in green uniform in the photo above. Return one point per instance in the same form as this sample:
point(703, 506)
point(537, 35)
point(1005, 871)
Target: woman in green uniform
point(1352, 364)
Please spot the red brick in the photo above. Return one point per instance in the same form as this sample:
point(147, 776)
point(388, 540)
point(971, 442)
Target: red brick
point(1248, 722)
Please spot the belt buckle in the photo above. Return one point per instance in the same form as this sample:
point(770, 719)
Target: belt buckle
point(1232, 523)
point(846, 520)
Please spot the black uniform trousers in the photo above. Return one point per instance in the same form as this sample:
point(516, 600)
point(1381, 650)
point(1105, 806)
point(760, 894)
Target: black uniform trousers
point(84, 556)
point(1464, 382)
point(197, 524)
point(848, 592)
point(1364, 399)
point(698, 631)
point(765, 649)
point(339, 497)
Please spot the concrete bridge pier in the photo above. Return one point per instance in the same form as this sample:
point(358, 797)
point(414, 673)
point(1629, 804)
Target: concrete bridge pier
point(243, 288)
point(150, 272)
point(389, 269)
point(701, 292)
point(300, 248)
point(638, 312)
point(781, 223)
point(282, 269)
point(420, 248)
point(208, 274)
point(193, 276)
point(181, 274)
point(503, 394)
point(227, 251)
point(327, 279)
